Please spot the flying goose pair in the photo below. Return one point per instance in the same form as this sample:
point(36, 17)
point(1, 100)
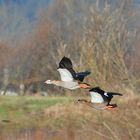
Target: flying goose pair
point(72, 80)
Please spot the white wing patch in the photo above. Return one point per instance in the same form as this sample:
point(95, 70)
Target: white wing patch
point(65, 75)
point(106, 94)
point(96, 97)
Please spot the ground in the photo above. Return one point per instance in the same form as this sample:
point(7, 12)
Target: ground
point(60, 118)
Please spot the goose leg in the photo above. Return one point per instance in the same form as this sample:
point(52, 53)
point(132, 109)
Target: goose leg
point(82, 100)
point(111, 107)
point(84, 85)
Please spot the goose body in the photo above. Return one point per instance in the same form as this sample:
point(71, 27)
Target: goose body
point(96, 98)
point(69, 78)
point(100, 96)
point(100, 99)
point(65, 75)
point(66, 84)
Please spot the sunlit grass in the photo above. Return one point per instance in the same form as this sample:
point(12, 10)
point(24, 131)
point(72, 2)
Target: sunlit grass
point(26, 108)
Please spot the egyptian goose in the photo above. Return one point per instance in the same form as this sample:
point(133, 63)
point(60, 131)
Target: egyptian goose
point(100, 99)
point(69, 78)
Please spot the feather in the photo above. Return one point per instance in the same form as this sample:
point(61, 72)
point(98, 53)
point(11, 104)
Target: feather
point(81, 75)
point(96, 97)
point(66, 63)
point(106, 96)
point(65, 75)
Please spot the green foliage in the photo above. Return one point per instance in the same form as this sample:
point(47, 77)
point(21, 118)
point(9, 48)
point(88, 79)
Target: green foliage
point(16, 109)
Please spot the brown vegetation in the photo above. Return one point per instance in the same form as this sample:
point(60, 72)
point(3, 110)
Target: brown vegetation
point(79, 122)
point(96, 39)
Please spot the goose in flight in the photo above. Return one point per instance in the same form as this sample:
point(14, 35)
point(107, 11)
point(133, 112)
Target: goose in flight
point(69, 78)
point(101, 99)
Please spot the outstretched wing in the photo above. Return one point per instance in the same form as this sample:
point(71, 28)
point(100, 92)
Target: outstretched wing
point(65, 75)
point(81, 75)
point(66, 68)
point(98, 90)
point(114, 93)
point(97, 95)
point(110, 95)
point(65, 63)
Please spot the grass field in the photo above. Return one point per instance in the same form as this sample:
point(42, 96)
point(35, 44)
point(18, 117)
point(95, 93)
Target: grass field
point(59, 118)
point(19, 109)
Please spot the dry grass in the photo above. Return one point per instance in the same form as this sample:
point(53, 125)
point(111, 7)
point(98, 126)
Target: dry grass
point(101, 48)
point(73, 121)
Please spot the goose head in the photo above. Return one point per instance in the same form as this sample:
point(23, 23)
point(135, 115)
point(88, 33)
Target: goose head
point(54, 82)
point(49, 82)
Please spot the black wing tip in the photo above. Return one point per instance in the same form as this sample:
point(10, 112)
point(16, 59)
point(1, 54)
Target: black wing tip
point(95, 88)
point(98, 89)
point(87, 72)
point(83, 73)
point(65, 62)
point(64, 57)
point(115, 93)
point(119, 94)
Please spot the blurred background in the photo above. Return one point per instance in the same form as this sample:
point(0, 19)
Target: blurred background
point(101, 36)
